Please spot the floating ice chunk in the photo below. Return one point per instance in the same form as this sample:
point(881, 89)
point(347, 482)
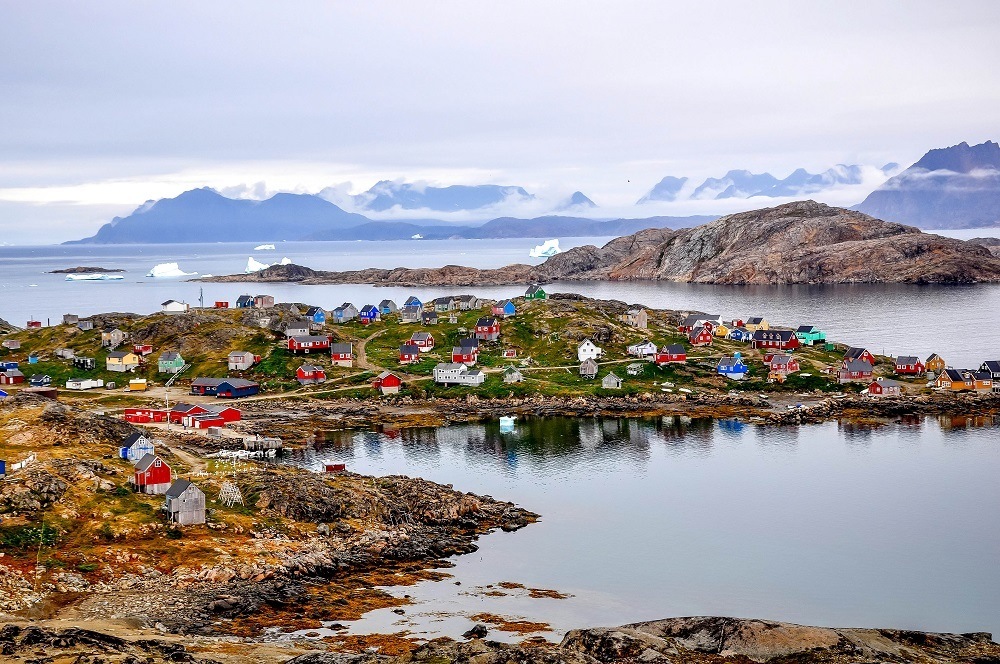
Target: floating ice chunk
point(418, 236)
point(264, 247)
point(164, 270)
point(546, 249)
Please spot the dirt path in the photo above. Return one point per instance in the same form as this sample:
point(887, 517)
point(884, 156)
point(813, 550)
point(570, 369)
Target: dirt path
point(363, 362)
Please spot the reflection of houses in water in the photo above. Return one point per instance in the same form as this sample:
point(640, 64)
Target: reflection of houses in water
point(967, 421)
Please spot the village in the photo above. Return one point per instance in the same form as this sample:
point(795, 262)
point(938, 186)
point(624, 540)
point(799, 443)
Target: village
point(207, 360)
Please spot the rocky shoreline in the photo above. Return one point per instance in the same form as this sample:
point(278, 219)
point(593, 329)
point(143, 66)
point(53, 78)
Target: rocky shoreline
point(693, 640)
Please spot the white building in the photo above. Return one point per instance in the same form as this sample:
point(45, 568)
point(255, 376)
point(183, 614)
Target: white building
point(174, 307)
point(588, 350)
point(457, 374)
point(642, 349)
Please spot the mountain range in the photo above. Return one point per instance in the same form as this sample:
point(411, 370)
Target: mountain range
point(204, 215)
point(955, 187)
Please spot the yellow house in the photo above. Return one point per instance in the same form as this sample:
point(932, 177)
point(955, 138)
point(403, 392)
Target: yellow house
point(757, 323)
point(137, 385)
point(122, 361)
point(721, 331)
point(935, 363)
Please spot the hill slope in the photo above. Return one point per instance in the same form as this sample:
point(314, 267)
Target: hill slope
point(956, 187)
point(798, 243)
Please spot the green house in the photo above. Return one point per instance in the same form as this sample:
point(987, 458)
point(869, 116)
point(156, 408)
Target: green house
point(809, 335)
point(170, 362)
point(535, 292)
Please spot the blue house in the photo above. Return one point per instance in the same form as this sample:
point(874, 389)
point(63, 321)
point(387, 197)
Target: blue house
point(244, 302)
point(7, 365)
point(369, 314)
point(413, 301)
point(506, 309)
point(741, 334)
point(732, 367)
point(316, 315)
point(32, 359)
point(3, 394)
point(3, 468)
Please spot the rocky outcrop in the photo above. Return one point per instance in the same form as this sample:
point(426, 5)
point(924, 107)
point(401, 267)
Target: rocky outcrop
point(797, 243)
point(26, 644)
point(82, 269)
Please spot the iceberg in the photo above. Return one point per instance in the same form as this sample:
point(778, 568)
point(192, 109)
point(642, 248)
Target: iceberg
point(94, 276)
point(546, 249)
point(264, 247)
point(254, 265)
point(418, 236)
point(285, 261)
point(166, 270)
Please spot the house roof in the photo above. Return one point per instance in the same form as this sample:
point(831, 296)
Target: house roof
point(451, 366)
point(408, 349)
point(420, 336)
point(486, 321)
point(461, 350)
point(589, 363)
point(585, 342)
point(858, 366)
point(934, 356)
point(241, 353)
point(342, 349)
point(887, 382)
point(755, 320)
point(215, 382)
point(636, 311)
point(185, 407)
point(780, 360)
point(385, 303)
point(954, 374)
point(386, 374)
point(312, 311)
point(674, 349)
point(730, 361)
point(303, 338)
point(296, 325)
point(854, 353)
point(429, 314)
point(177, 488)
point(806, 328)
point(613, 376)
point(782, 335)
point(533, 288)
point(443, 300)
point(412, 301)
point(133, 439)
point(369, 309)
point(170, 355)
point(992, 365)
point(907, 359)
point(511, 370)
point(309, 368)
point(163, 304)
point(119, 354)
point(12, 373)
point(144, 464)
point(471, 342)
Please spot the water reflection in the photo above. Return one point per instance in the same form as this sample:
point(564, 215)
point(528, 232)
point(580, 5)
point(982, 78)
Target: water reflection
point(837, 523)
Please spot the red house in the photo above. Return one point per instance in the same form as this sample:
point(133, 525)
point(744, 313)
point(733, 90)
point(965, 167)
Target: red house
point(204, 421)
point(422, 340)
point(859, 354)
point(142, 349)
point(387, 383)
point(909, 365)
point(408, 354)
point(701, 336)
point(852, 371)
point(669, 354)
point(780, 339)
point(34, 325)
point(779, 363)
point(487, 329)
point(181, 410)
point(151, 475)
point(221, 304)
point(145, 415)
point(464, 355)
point(11, 377)
point(308, 344)
point(309, 373)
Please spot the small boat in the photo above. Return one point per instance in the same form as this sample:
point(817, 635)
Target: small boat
point(506, 423)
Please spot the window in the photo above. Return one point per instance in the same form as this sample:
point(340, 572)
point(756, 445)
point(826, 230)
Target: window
point(157, 463)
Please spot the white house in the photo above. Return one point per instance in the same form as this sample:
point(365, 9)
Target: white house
point(642, 349)
point(84, 383)
point(453, 373)
point(588, 350)
point(174, 307)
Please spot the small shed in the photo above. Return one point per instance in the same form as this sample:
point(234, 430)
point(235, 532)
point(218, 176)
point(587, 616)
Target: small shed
point(512, 375)
point(387, 383)
point(611, 382)
point(152, 475)
point(184, 503)
point(588, 368)
point(135, 447)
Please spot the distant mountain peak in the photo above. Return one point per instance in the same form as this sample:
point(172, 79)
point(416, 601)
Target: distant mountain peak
point(577, 200)
point(666, 189)
point(387, 194)
point(953, 187)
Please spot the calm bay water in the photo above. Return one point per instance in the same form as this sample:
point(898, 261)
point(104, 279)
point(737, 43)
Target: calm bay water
point(826, 524)
point(886, 318)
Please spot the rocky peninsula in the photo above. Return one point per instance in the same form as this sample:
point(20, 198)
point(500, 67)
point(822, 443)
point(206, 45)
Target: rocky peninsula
point(86, 270)
point(797, 243)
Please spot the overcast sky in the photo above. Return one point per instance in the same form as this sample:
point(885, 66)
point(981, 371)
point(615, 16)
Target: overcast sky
point(104, 105)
